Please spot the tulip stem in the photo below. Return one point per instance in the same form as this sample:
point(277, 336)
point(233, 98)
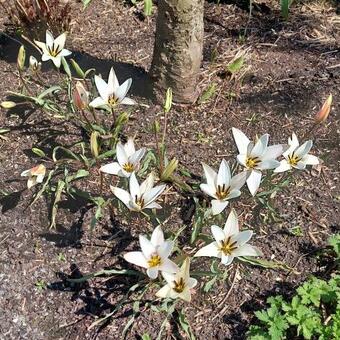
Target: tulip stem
point(160, 156)
point(24, 82)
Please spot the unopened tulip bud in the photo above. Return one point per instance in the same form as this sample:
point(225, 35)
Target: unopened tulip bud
point(21, 58)
point(80, 96)
point(168, 100)
point(169, 170)
point(34, 64)
point(94, 144)
point(8, 105)
point(322, 115)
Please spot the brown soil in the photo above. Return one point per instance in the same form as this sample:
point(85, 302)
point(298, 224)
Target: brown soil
point(292, 67)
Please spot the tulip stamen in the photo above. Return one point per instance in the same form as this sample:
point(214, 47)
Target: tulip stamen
point(113, 100)
point(128, 167)
point(154, 261)
point(222, 191)
point(54, 50)
point(293, 159)
point(252, 162)
point(227, 246)
point(179, 285)
point(139, 201)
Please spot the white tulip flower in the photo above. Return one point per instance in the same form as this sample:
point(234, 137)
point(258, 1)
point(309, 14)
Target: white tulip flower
point(53, 49)
point(34, 64)
point(297, 156)
point(154, 254)
point(128, 160)
point(141, 196)
point(179, 284)
point(221, 186)
point(229, 242)
point(111, 93)
point(35, 175)
point(256, 157)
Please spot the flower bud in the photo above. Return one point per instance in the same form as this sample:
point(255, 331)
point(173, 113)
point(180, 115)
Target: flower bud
point(21, 58)
point(34, 64)
point(168, 100)
point(94, 144)
point(8, 104)
point(322, 115)
point(169, 170)
point(80, 96)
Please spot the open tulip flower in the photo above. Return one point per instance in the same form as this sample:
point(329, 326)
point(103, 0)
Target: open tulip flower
point(297, 156)
point(141, 196)
point(34, 64)
point(256, 157)
point(35, 175)
point(229, 242)
point(128, 160)
point(111, 93)
point(221, 186)
point(179, 284)
point(154, 254)
point(53, 49)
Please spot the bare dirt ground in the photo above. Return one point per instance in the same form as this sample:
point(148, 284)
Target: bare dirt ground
point(292, 67)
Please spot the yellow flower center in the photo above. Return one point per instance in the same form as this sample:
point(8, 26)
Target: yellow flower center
point(252, 162)
point(139, 201)
point(227, 247)
point(179, 285)
point(154, 261)
point(128, 167)
point(222, 191)
point(293, 159)
point(113, 100)
point(54, 50)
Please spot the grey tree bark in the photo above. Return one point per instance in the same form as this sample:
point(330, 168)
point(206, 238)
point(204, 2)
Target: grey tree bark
point(178, 48)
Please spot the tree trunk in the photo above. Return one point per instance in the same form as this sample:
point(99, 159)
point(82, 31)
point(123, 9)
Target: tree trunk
point(178, 49)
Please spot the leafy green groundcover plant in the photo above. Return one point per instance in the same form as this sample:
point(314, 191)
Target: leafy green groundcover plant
point(313, 313)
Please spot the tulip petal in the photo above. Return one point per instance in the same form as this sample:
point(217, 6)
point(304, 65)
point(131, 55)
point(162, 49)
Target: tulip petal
point(300, 165)
point(247, 250)
point(210, 191)
point(164, 292)
point(26, 173)
point(185, 295)
point(153, 205)
point(157, 237)
point(152, 272)
point(169, 278)
point(242, 159)
point(147, 247)
point(260, 146)
point(42, 46)
point(102, 87)
point(254, 181)
point(137, 258)
point(137, 156)
point(269, 164)
point(31, 182)
point(147, 184)
point(121, 154)
point(217, 206)
point(134, 187)
point(165, 248)
point(153, 194)
point(121, 194)
point(238, 180)
point(227, 259)
point(241, 140)
point(310, 160)
point(123, 89)
point(98, 102)
point(49, 38)
point(231, 226)
point(243, 237)
point(60, 41)
point(192, 282)
point(113, 83)
point(129, 147)
point(233, 194)
point(224, 175)
point(111, 168)
point(65, 53)
point(304, 149)
point(284, 166)
point(273, 152)
point(210, 250)
point(210, 175)
point(128, 101)
point(218, 233)
point(168, 266)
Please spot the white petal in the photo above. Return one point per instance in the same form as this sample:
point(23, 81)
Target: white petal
point(157, 237)
point(293, 141)
point(242, 159)
point(129, 147)
point(49, 38)
point(224, 175)
point(233, 194)
point(211, 250)
point(152, 272)
point(42, 46)
point(169, 278)
point(65, 53)
point(164, 292)
point(284, 166)
point(121, 194)
point(269, 164)
point(102, 87)
point(60, 41)
point(165, 249)
point(210, 175)
point(99, 102)
point(147, 247)
point(210, 191)
point(310, 160)
point(40, 178)
point(137, 258)
point(241, 140)
point(247, 250)
point(113, 81)
point(137, 156)
point(227, 260)
point(134, 187)
point(31, 182)
point(147, 184)
point(217, 206)
point(243, 237)
point(304, 149)
point(121, 154)
point(218, 233)
point(111, 168)
point(260, 146)
point(273, 152)
point(168, 266)
point(153, 205)
point(123, 89)
point(128, 101)
point(254, 181)
point(238, 180)
point(192, 282)
point(231, 226)
point(26, 173)
point(300, 165)
point(153, 194)
point(185, 295)
point(56, 61)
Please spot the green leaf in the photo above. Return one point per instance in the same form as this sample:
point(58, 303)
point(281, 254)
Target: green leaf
point(77, 68)
point(65, 150)
point(208, 285)
point(38, 152)
point(57, 198)
point(236, 65)
point(184, 323)
point(285, 8)
point(147, 7)
point(66, 67)
point(42, 190)
point(86, 3)
point(265, 263)
point(146, 336)
point(208, 93)
point(48, 91)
